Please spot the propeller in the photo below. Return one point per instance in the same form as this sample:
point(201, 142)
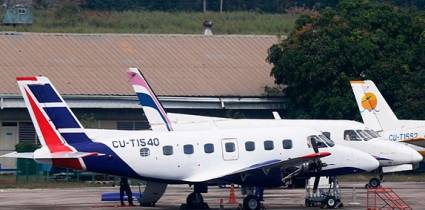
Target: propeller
point(317, 165)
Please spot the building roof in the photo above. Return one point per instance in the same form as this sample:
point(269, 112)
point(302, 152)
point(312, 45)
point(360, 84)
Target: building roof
point(175, 65)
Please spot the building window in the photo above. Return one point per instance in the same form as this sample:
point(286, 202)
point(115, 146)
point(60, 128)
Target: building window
point(230, 147)
point(22, 11)
point(188, 149)
point(287, 144)
point(249, 146)
point(144, 152)
point(209, 148)
point(132, 125)
point(268, 145)
point(167, 150)
point(27, 132)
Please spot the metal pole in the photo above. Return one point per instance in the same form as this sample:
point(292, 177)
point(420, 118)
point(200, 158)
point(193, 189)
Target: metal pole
point(221, 6)
point(205, 5)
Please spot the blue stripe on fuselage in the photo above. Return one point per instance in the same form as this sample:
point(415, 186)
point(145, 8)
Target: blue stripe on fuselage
point(110, 163)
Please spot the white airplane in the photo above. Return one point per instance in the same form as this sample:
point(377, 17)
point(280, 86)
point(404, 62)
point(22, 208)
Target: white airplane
point(392, 156)
point(379, 116)
point(252, 157)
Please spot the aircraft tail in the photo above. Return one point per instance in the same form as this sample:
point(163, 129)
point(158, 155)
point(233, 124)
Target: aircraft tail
point(58, 130)
point(375, 111)
point(152, 108)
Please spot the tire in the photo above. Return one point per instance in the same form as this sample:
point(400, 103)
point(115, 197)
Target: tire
point(374, 183)
point(330, 202)
point(251, 202)
point(195, 200)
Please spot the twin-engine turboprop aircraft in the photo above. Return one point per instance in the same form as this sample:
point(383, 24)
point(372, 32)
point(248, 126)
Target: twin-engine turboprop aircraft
point(392, 156)
point(379, 116)
point(250, 157)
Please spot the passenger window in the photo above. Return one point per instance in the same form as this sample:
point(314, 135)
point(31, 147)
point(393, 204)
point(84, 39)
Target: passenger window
point(167, 150)
point(287, 144)
point(351, 135)
point(230, 147)
point(327, 134)
point(209, 148)
point(249, 146)
point(188, 149)
point(268, 145)
point(144, 152)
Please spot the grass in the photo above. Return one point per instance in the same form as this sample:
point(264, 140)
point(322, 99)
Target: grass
point(74, 21)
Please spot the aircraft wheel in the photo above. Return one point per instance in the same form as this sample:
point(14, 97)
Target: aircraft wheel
point(195, 200)
point(374, 183)
point(251, 202)
point(330, 202)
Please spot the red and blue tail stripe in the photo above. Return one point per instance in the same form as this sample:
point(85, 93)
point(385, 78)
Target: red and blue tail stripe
point(60, 131)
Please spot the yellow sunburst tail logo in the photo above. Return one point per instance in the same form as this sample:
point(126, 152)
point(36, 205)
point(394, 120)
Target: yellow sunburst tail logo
point(369, 101)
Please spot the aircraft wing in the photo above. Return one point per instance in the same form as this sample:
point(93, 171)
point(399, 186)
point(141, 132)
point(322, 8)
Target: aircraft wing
point(221, 172)
point(55, 155)
point(417, 141)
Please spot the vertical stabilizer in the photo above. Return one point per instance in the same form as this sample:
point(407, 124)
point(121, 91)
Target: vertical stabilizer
point(57, 128)
point(152, 108)
point(375, 111)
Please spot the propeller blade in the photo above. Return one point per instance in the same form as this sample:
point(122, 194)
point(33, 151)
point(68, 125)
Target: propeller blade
point(314, 145)
point(316, 183)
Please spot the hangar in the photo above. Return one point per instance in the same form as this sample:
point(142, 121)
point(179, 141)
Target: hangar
point(219, 75)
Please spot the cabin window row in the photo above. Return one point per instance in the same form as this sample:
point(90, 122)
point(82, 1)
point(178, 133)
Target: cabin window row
point(229, 147)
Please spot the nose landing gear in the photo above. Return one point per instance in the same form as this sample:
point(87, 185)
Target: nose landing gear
point(375, 182)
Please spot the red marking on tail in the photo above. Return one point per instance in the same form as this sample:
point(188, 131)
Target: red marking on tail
point(26, 78)
point(72, 163)
point(53, 142)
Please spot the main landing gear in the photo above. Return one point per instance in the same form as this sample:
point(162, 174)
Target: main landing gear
point(252, 201)
point(195, 200)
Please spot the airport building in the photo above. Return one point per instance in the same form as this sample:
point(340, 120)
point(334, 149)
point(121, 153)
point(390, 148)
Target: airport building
point(219, 75)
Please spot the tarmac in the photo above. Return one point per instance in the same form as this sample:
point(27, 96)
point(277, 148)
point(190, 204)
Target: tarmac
point(89, 198)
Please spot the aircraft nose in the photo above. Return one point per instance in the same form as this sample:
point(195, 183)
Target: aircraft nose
point(360, 160)
point(368, 162)
point(416, 157)
point(410, 155)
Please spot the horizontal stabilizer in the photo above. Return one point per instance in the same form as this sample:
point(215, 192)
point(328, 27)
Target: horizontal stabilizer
point(55, 155)
point(27, 155)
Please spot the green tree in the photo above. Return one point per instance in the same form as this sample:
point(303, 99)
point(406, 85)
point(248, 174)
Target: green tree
point(356, 40)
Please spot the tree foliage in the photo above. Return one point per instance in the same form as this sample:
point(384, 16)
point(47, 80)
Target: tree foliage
point(356, 40)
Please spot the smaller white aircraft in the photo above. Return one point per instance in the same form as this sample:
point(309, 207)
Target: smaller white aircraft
point(252, 157)
point(379, 116)
point(392, 156)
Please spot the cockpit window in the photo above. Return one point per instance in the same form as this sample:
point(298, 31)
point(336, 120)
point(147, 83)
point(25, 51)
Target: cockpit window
point(319, 142)
point(372, 133)
point(327, 140)
point(351, 135)
point(364, 135)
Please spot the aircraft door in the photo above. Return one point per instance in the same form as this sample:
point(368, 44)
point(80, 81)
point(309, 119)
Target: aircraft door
point(229, 148)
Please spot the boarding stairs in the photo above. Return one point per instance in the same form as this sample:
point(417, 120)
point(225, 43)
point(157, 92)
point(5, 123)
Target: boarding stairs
point(385, 198)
